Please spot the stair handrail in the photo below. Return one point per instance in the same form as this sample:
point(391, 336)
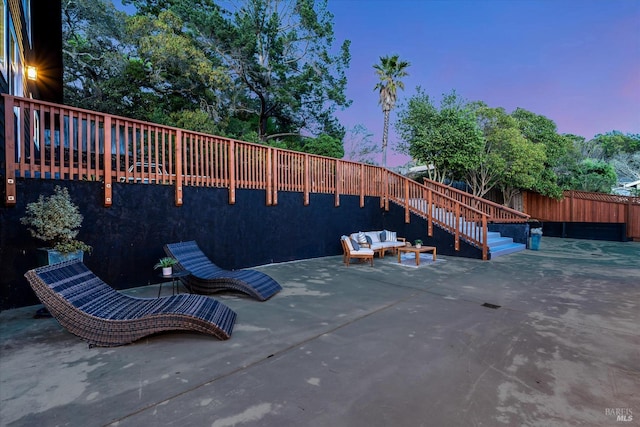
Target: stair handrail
point(464, 222)
point(496, 211)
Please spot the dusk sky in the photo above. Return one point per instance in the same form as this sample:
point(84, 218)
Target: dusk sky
point(576, 62)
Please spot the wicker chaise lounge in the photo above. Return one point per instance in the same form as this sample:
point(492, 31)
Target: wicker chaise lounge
point(89, 308)
point(208, 278)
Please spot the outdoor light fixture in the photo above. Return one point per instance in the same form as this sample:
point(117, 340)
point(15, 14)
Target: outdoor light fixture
point(32, 72)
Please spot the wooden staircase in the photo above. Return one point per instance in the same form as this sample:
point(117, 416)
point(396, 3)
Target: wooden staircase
point(464, 216)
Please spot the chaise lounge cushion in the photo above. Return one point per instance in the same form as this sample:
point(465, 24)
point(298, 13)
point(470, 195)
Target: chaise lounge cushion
point(208, 278)
point(91, 309)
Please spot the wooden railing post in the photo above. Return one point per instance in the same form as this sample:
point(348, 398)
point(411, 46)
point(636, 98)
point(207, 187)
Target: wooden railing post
point(485, 245)
point(338, 185)
point(108, 176)
point(232, 172)
point(10, 152)
point(407, 213)
point(362, 185)
point(307, 179)
point(276, 176)
point(457, 225)
point(269, 175)
point(179, 168)
point(429, 212)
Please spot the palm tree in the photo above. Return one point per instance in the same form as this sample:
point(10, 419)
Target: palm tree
point(389, 70)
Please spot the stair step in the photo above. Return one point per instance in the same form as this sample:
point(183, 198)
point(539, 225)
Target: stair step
point(495, 242)
point(506, 249)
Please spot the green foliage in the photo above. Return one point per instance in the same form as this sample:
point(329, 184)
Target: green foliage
point(616, 142)
point(165, 262)
point(593, 175)
point(55, 220)
point(541, 130)
point(92, 54)
point(256, 69)
point(198, 121)
point(279, 60)
point(324, 145)
point(447, 138)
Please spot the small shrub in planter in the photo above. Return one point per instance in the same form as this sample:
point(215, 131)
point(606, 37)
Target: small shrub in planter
point(56, 220)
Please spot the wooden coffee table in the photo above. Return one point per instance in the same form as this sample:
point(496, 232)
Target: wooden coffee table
point(417, 252)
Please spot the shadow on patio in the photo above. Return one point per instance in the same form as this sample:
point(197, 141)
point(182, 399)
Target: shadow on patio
point(388, 345)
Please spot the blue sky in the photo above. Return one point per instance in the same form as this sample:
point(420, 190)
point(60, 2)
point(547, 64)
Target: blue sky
point(576, 62)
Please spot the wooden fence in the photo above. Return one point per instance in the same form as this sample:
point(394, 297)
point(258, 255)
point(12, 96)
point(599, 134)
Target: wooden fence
point(52, 141)
point(580, 206)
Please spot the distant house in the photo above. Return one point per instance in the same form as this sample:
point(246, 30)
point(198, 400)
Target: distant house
point(627, 188)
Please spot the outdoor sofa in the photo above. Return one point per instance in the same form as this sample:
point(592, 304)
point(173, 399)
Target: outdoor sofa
point(379, 241)
point(350, 251)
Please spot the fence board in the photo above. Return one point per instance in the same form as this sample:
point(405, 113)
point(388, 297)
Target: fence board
point(580, 206)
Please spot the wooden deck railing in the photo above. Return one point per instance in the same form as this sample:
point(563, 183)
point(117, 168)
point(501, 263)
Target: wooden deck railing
point(51, 141)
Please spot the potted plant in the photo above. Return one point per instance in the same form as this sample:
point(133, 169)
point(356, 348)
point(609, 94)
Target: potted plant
point(56, 220)
point(166, 264)
point(418, 243)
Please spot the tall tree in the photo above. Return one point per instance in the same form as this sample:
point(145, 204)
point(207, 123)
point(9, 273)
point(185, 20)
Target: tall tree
point(390, 71)
point(541, 130)
point(93, 33)
point(448, 139)
point(280, 56)
point(184, 79)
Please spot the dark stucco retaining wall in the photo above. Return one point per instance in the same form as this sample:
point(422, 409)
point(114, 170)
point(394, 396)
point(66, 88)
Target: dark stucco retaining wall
point(128, 237)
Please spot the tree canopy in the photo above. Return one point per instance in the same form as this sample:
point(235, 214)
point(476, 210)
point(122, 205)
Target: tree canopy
point(259, 70)
point(447, 138)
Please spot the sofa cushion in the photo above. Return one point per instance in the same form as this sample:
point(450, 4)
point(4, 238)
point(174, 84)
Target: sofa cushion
point(390, 236)
point(373, 235)
point(347, 241)
point(355, 245)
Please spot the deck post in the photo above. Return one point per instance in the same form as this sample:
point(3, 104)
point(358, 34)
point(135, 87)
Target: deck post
point(307, 180)
point(407, 213)
point(338, 187)
point(10, 153)
point(457, 225)
point(485, 246)
point(179, 171)
point(232, 172)
point(269, 171)
point(362, 185)
point(108, 176)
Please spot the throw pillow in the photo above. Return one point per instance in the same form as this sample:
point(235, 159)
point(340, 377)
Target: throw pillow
point(356, 246)
point(383, 236)
point(369, 240)
point(391, 236)
point(361, 237)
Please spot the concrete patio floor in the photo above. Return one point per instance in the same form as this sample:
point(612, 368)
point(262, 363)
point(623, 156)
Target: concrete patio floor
point(361, 346)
